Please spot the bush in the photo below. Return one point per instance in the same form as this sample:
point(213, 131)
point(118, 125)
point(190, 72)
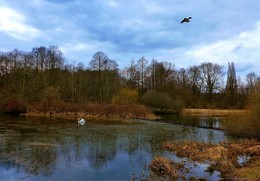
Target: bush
point(125, 96)
point(161, 102)
point(50, 96)
point(13, 105)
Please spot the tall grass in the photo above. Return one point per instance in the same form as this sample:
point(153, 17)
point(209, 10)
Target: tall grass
point(248, 123)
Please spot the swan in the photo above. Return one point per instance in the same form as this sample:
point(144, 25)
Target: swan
point(81, 121)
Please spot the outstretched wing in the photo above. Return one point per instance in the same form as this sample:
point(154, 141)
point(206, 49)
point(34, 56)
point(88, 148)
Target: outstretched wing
point(184, 20)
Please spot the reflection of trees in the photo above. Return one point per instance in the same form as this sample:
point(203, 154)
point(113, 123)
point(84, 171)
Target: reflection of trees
point(42, 160)
point(101, 150)
point(33, 158)
point(21, 150)
point(210, 122)
point(94, 148)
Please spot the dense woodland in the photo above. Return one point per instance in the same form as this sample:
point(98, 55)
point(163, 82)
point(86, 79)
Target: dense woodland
point(30, 77)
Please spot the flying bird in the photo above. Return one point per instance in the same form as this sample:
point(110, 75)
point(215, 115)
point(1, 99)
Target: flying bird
point(186, 20)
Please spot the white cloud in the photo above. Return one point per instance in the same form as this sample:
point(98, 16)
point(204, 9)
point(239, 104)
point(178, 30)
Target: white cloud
point(113, 3)
point(243, 49)
point(153, 8)
point(84, 51)
point(13, 24)
point(76, 47)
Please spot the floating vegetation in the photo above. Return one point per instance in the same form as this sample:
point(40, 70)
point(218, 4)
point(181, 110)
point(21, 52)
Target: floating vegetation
point(164, 168)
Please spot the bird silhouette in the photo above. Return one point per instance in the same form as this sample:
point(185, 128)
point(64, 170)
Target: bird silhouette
point(186, 20)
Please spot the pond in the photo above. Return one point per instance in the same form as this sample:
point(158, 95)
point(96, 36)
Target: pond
point(45, 149)
point(210, 122)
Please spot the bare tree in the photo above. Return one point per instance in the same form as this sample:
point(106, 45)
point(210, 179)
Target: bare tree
point(196, 79)
point(132, 75)
point(142, 68)
point(251, 79)
point(107, 72)
point(40, 57)
point(100, 62)
point(212, 77)
point(55, 58)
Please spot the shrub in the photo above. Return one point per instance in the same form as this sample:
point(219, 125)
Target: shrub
point(13, 105)
point(125, 96)
point(50, 95)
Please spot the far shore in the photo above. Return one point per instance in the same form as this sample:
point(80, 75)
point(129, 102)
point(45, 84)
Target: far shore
point(79, 115)
point(213, 112)
point(149, 116)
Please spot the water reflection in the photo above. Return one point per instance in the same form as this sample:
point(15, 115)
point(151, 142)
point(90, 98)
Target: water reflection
point(62, 150)
point(210, 122)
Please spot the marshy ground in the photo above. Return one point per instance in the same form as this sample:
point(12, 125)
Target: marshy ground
point(236, 160)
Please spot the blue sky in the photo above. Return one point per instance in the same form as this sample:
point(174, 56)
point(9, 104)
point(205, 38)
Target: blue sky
point(221, 31)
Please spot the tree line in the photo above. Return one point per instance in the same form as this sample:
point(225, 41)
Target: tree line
point(29, 77)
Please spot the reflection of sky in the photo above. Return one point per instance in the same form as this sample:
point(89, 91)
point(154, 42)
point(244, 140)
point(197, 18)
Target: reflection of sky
point(122, 166)
point(10, 173)
point(93, 152)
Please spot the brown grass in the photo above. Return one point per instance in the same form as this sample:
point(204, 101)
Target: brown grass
point(73, 110)
point(251, 171)
point(243, 125)
point(213, 112)
point(164, 168)
point(223, 157)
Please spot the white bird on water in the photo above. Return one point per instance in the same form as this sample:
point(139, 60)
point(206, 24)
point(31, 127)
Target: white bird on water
point(81, 121)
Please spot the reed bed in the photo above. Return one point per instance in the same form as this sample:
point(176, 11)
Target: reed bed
point(90, 111)
point(213, 112)
point(223, 157)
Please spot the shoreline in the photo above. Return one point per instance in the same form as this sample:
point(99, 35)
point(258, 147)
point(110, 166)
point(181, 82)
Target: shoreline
point(77, 115)
point(213, 112)
point(150, 116)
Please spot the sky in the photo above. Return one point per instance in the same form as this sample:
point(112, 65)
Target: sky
point(220, 31)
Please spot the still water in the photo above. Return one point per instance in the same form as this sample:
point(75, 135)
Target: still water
point(210, 122)
point(44, 149)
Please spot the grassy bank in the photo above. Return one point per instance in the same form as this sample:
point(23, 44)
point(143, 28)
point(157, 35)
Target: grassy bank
point(213, 112)
point(248, 123)
point(244, 125)
point(249, 172)
point(239, 123)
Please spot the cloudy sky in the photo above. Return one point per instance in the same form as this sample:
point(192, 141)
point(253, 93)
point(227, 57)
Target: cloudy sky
point(220, 31)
